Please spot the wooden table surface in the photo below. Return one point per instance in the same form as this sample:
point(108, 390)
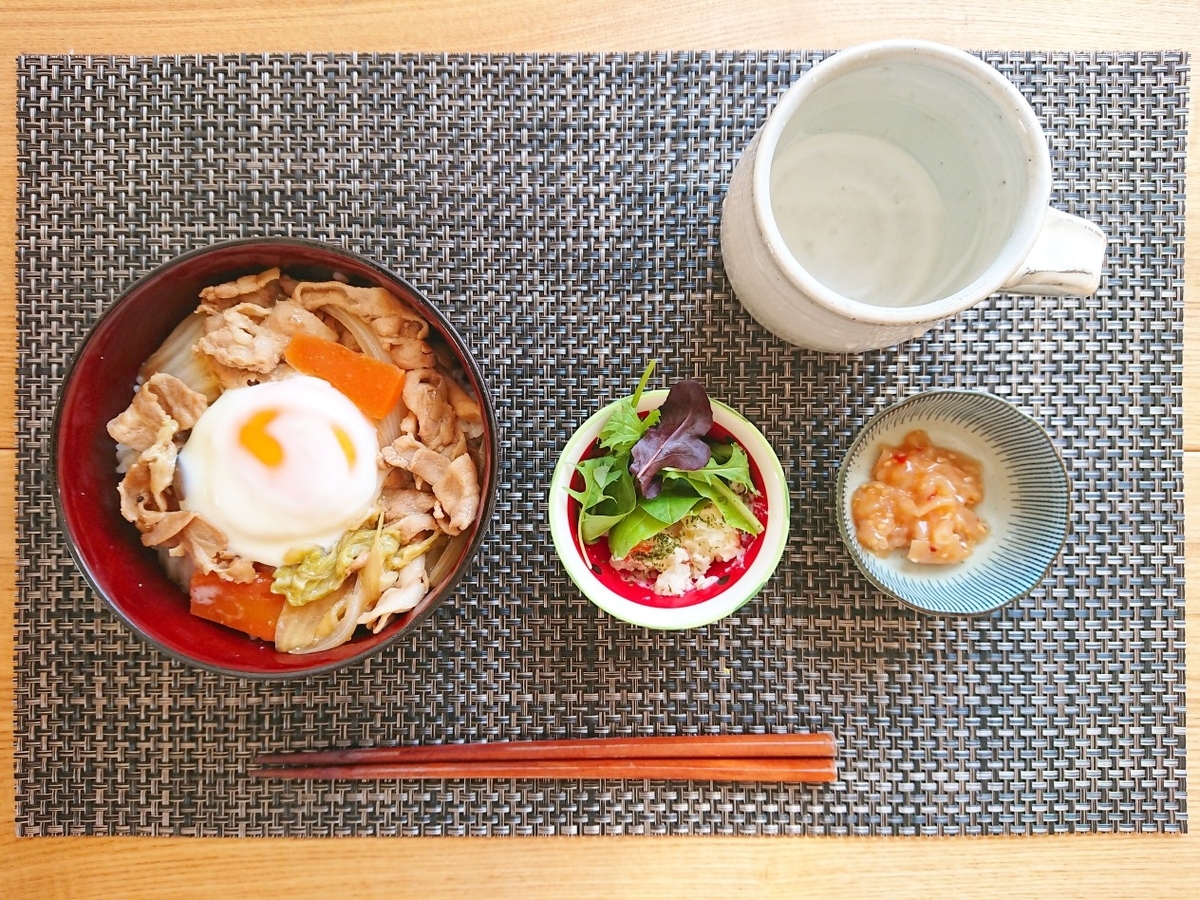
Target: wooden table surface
point(1069, 866)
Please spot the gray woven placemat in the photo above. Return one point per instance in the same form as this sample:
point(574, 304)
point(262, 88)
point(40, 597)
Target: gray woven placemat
point(563, 210)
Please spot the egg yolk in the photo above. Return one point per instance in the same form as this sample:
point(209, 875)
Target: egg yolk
point(255, 438)
point(347, 445)
point(262, 445)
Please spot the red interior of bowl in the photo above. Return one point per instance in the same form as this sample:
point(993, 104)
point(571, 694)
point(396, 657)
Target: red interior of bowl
point(100, 385)
point(726, 573)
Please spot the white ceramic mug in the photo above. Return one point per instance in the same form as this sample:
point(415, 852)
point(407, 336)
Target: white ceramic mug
point(896, 184)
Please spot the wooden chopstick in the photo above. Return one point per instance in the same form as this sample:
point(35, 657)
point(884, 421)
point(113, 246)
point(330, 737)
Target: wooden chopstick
point(785, 770)
point(772, 757)
point(744, 746)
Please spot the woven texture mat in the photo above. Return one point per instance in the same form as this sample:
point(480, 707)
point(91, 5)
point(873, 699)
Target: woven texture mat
point(564, 212)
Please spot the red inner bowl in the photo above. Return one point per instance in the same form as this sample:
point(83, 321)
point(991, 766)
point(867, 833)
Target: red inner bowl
point(726, 573)
point(99, 386)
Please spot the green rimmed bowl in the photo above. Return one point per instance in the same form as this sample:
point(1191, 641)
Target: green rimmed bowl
point(735, 586)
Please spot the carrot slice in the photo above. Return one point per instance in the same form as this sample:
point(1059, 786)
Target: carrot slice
point(252, 608)
point(374, 386)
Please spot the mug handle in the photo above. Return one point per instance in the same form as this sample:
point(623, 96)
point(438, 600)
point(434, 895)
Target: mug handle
point(1066, 259)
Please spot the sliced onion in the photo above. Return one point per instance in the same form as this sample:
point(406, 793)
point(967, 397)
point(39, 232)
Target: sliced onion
point(178, 568)
point(370, 344)
point(408, 591)
point(370, 576)
point(443, 565)
point(177, 356)
point(321, 624)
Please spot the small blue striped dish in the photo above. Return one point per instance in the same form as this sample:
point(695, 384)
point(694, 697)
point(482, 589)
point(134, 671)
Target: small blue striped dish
point(1026, 502)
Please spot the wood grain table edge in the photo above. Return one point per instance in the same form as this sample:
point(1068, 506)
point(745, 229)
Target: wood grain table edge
point(1094, 866)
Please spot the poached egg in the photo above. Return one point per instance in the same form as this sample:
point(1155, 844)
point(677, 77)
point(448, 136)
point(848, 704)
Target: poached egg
point(281, 465)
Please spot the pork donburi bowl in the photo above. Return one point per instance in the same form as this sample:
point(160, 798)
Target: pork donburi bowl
point(298, 442)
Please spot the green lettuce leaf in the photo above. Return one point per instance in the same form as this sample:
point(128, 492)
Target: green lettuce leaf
point(731, 506)
point(729, 463)
point(624, 427)
point(673, 503)
point(632, 530)
point(608, 495)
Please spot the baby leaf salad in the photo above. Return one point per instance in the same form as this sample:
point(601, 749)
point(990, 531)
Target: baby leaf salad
point(653, 470)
